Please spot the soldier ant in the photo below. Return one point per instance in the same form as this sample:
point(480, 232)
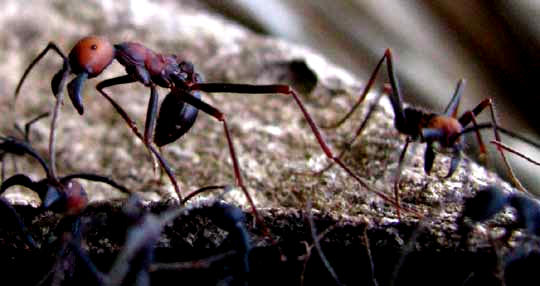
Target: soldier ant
point(444, 129)
point(491, 200)
point(60, 194)
point(10, 144)
point(178, 112)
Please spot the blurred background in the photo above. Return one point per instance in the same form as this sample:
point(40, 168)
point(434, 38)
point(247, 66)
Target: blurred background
point(492, 44)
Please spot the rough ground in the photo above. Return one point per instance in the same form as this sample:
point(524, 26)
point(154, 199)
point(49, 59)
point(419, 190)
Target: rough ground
point(273, 142)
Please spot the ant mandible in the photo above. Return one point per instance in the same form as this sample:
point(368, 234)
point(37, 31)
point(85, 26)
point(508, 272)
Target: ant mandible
point(427, 127)
point(91, 55)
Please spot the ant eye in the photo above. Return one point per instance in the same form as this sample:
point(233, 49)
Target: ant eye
point(93, 47)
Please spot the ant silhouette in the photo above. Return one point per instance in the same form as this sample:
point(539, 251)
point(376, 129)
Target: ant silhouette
point(179, 110)
point(8, 144)
point(60, 194)
point(486, 203)
point(443, 129)
point(135, 260)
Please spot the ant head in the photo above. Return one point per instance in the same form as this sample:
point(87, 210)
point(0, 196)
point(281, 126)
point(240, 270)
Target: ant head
point(69, 199)
point(88, 58)
point(91, 55)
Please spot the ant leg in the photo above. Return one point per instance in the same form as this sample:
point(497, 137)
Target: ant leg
point(52, 141)
point(317, 244)
point(96, 178)
point(452, 108)
point(349, 144)
point(27, 126)
point(74, 92)
point(150, 123)
point(489, 125)
point(397, 102)
point(133, 126)
point(118, 81)
point(511, 150)
point(398, 175)
point(75, 246)
point(469, 116)
point(202, 190)
point(62, 74)
point(9, 212)
point(23, 147)
point(217, 114)
point(285, 90)
point(3, 171)
point(363, 95)
point(19, 180)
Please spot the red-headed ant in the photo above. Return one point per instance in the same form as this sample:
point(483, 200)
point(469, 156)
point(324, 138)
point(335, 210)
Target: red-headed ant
point(60, 194)
point(444, 129)
point(91, 55)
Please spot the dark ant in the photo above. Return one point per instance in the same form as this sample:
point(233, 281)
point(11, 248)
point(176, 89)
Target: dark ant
point(91, 55)
point(136, 259)
point(60, 194)
point(491, 200)
point(445, 128)
point(9, 144)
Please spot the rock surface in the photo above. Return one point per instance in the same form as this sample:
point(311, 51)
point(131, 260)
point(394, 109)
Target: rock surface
point(274, 145)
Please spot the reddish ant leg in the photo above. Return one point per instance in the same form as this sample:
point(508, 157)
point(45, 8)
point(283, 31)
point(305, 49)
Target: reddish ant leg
point(363, 95)
point(58, 81)
point(285, 90)
point(349, 144)
point(57, 85)
point(511, 150)
point(217, 114)
point(133, 126)
point(469, 116)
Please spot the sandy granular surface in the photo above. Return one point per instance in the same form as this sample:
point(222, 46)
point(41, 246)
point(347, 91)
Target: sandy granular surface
point(273, 141)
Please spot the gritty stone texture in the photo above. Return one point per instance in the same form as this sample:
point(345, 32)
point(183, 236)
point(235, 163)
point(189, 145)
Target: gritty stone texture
point(273, 141)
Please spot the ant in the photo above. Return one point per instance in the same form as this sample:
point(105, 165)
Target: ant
point(445, 129)
point(9, 144)
point(135, 260)
point(491, 200)
point(60, 194)
point(179, 110)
